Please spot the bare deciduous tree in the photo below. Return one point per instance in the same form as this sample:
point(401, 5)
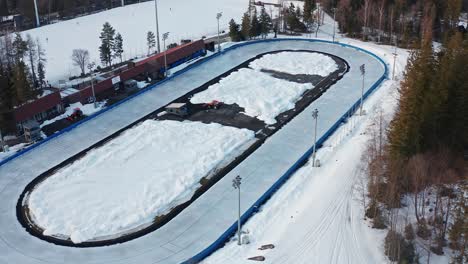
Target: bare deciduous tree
point(80, 58)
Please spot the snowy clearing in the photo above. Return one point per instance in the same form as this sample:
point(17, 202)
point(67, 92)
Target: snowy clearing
point(133, 178)
point(296, 63)
point(261, 95)
point(132, 22)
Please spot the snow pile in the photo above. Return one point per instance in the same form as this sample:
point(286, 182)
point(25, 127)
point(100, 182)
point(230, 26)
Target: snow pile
point(261, 95)
point(132, 179)
point(87, 109)
point(296, 63)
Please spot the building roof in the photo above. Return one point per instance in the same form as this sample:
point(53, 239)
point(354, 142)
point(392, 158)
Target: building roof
point(176, 105)
point(28, 110)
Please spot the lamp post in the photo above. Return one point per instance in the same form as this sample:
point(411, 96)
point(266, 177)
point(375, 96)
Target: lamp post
point(218, 16)
point(395, 54)
point(157, 25)
point(90, 68)
point(165, 36)
point(334, 23)
point(363, 73)
point(123, 2)
point(38, 23)
point(315, 116)
point(2, 144)
point(236, 183)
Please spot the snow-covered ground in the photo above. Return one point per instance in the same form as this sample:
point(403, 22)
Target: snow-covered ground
point(262, 95)
point(296, 63)
point(133, 22)
point(316, 217)
point(132, 179)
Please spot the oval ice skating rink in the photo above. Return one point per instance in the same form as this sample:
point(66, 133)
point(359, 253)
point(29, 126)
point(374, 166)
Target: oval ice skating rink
point(210, 215)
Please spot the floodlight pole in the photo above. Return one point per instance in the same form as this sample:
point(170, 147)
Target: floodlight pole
point(157, 25)
point(363, 73)
point(165, 36)
point(315, 116)
point(236, 183)
point(38, 23)
point(218, 16)
point(395, 54)
point(2, 143)
point(334, 23)
point(90, 67)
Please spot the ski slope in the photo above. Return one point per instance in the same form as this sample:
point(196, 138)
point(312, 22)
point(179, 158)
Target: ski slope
point(183, 19)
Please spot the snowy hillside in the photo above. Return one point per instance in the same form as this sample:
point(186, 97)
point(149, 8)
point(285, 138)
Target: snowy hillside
point(133, 21)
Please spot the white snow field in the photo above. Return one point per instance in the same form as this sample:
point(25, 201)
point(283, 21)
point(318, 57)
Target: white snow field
point(132, 179)
point(260, 94)
point(296, 63)
point(211, 214)
point(183, 19)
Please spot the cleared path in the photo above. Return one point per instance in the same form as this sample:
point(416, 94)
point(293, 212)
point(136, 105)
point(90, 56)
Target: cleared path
point(210, 215)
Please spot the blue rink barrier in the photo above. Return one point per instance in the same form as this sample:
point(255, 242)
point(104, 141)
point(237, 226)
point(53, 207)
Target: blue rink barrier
point(221, 241)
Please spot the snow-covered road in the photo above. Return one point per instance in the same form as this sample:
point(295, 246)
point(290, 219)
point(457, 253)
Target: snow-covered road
point(210, 215)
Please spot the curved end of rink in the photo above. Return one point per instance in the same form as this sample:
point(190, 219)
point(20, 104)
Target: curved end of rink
point(221, 241)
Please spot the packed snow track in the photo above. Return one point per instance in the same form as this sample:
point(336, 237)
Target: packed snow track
point(200, 224)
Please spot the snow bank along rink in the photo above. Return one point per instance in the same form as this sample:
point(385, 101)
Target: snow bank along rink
point(133, 178)
point(262, 95)
point(210, 215)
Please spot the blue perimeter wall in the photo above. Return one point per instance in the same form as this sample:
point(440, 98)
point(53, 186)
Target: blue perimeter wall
point(220, 242)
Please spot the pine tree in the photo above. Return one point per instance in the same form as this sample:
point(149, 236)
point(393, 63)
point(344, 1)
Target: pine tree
point(32, 56)
point(265, 23)
point(41, 60)
point(21, 83)
point(107, 44)
point(150, 41)
point(234, 31)
point(20, 47)
point(255, 27)
point(308, 11)
point(118, 47)
point(245, 26)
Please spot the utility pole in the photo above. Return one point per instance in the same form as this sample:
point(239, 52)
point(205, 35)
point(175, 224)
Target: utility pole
point(165, 36)
point(218, 16)
point(38, 23)
point(363, 73)
point(315, 116)
point(236, 183)
point(157, 25)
